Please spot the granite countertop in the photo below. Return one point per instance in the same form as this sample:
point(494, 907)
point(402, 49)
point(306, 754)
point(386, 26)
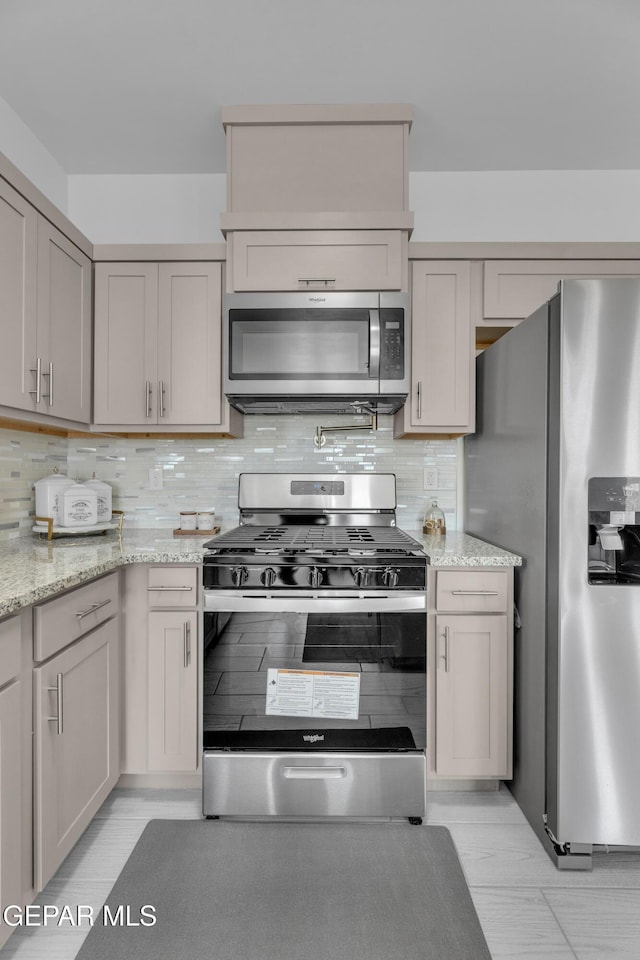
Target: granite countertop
point(32, 570)
point(457, 549)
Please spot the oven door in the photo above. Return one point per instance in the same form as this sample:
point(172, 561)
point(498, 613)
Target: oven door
point(314, 672)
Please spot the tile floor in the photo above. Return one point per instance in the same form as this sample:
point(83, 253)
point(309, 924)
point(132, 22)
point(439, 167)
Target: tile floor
point(528, 909)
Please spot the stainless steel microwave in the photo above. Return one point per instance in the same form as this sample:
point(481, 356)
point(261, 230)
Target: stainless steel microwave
point(316, 352)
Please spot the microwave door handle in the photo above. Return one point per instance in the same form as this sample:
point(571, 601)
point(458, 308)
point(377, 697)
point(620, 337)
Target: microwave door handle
point(374, 344)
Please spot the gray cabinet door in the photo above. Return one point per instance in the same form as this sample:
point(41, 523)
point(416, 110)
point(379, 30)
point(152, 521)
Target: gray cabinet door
point(11, 747)
point(64, 325)
point(77, 743)
point(173, 691)
point(18, 287)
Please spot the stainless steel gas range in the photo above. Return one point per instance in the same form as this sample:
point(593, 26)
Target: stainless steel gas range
point(315, 650)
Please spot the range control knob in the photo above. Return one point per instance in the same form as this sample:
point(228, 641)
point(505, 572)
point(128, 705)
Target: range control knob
point(390, 577)
point(239, 575)
point(314, 577)
point(268, 576)
point(361, 576)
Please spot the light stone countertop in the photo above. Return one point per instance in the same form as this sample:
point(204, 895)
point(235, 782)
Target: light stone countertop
point(32, 570)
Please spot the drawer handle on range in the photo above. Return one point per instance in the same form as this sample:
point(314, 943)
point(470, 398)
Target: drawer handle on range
point(475, 593)
point(93, 608)
point(186, 639)
point(58, 692)
point(167, 589)
point(314, 773)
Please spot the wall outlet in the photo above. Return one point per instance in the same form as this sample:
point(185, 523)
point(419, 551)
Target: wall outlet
point(155, 478)
point(430, 478)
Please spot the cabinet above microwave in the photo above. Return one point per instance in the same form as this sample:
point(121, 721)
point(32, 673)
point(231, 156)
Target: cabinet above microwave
point(316, 352)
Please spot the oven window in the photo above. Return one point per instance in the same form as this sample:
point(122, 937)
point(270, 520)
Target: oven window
point(367, 671)
point(299, 345)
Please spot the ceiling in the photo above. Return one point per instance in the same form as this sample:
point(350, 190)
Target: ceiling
point(136, 86)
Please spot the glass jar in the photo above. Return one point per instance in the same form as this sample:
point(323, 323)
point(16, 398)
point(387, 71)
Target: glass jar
point(434, 524)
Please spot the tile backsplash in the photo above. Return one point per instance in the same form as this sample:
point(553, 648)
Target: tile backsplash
point(199, 474)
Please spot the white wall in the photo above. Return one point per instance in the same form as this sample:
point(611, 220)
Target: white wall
point(526, 205)
point(504, 205)
point(31, 157)
point(158, 208)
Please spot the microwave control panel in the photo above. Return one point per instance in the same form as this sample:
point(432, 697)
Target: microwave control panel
point(392, 344)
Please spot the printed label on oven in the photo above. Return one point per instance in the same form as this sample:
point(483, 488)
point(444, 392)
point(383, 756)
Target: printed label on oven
point(313, 693)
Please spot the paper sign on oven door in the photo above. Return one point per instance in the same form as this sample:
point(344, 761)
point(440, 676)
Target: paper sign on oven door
point(313, 693)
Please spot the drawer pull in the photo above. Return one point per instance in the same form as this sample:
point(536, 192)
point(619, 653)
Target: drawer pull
point(58, 690)
point(325, 280)
point(168, 589)
point(93, 608)
point(187, 643)
point(475, 593)
point(314, 773)
point(38, 372)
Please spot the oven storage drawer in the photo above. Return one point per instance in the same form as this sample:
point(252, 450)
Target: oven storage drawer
point(257, 784)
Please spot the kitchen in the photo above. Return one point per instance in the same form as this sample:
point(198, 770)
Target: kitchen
point(484, 227)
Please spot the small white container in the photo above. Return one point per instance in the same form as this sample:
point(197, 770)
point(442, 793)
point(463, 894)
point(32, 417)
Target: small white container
point(79, 506)
point(48, 495)
point(104, 495)
point(188, 519)
point(205, 519)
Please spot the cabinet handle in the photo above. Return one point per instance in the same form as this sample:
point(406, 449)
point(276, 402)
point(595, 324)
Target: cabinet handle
point(445, 655)
point(49, 396)
point(325, 280)
point(38, 372)
point(147, 386)
point(58, 690)
point(93, 608)
point(419, 396)
point(186, 631)
point(475, 593)
point(166, 589)
point(161, 408)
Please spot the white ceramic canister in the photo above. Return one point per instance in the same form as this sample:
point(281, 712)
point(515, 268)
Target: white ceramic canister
point(206, 519)
point(188, 519)
point(104, 495)
point(79, 506)
point(49, 492)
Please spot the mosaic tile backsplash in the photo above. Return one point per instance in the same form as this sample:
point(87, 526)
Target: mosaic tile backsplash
point(203, 474)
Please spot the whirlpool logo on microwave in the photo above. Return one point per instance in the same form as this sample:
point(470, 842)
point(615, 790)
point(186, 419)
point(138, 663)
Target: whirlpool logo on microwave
point(312, 737)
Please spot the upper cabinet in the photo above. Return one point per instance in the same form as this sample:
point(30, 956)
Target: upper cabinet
point(157, 348)
point(442, 399)
point(317, 197)
point(45, 301)
point(317, 260)
point(513, 289)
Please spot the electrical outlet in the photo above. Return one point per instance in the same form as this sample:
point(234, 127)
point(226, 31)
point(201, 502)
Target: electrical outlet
point(430, 478)
point(155, 478)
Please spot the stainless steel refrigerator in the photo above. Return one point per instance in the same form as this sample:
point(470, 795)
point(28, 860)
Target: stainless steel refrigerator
point(553, 474)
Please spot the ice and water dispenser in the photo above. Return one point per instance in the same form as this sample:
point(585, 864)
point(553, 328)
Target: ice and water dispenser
point(614, 530)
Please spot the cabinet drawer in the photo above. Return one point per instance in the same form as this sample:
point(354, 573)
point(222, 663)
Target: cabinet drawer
point(10, 656)
point(480, 591)
point(173, 586)
point(60, 621)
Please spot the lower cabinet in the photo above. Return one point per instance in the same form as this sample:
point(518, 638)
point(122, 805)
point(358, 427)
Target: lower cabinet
point(470, 693)
point(11, 804)
point(173, 690)
point(76, 733)
point(161, 665)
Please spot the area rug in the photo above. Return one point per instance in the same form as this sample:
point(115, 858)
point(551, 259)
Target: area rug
point(233, 890)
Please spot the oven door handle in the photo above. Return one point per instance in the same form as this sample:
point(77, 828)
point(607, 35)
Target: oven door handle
point(304, 602)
